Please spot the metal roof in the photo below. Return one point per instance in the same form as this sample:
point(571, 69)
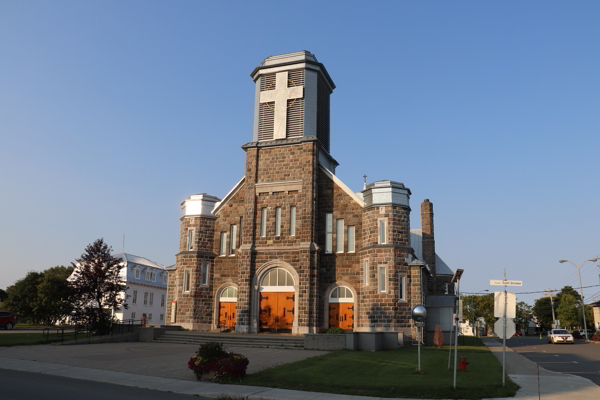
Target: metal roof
point(416, 241)
point(138, 260)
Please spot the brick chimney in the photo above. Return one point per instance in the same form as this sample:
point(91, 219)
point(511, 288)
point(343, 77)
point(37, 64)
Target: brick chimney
point(429, 241)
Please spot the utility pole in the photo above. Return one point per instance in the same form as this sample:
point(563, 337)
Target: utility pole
point(549, 294)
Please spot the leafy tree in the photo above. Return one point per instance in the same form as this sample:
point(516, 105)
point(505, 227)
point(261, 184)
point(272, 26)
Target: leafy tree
point(486, 306)
point(570, 291)
point(22, 297)
point(53, 303)
point(567, 311)
point(96, 286)
point(3, 295)
point(523, 315)
point(542, 310)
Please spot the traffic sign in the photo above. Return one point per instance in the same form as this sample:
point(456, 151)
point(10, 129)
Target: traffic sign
point(511, 328)
point(511, 305)
point(505, 282)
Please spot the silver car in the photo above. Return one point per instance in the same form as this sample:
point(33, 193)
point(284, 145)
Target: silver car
point(560, 336)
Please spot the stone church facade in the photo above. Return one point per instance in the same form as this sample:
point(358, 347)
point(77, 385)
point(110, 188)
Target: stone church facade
point(291, 248)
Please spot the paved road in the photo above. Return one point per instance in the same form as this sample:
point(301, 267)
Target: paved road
point(581, 359)
point(19, 385)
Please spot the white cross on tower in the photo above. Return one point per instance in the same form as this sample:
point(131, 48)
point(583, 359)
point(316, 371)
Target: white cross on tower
point(280, 96)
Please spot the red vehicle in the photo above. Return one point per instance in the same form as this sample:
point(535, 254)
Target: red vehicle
point(7, 319)
point(518, 334)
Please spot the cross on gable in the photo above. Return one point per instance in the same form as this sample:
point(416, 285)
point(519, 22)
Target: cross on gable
point(280, 96)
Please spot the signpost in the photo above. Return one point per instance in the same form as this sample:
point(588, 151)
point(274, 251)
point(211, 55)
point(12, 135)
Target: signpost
point(506, 312)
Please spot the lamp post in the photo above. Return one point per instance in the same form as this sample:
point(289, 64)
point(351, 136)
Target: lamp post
point(581, 289)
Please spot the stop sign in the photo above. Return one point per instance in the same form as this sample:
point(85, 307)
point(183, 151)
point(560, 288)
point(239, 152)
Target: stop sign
point(510, 328)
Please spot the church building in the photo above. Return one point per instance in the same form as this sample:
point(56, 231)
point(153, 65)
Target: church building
point(291, 248)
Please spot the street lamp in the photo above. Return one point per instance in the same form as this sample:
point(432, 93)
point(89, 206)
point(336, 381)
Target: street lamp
point(581, 289)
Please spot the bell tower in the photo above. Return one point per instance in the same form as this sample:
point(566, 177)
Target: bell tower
point(292, 99)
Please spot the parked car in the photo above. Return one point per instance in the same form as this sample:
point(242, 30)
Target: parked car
point(560, 336)
point(518, 333)
point(7, 319)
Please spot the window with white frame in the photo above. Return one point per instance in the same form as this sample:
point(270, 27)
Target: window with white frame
point(339, 232)
point(382, 279)
point(150, 317)
point(133, 315)
point(137, 273)
point(205, 273)
point(147, 275)
point(190, 240)
point(351, 239)
point(134, 298)
point(293, 221)
point(233, 239)
point(366, 272)
point(162, 300)
point(153, 276)
point(401, 287)
point(278, 221)
point(151, 298)
point(145, 298)
point(382, 231)
point(223, 249)
point(162, 317)
point(186, 281)
point(165, 278)
point(328, 233)
point(263, 222)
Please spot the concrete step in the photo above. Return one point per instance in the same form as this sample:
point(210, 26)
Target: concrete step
point(234, 340)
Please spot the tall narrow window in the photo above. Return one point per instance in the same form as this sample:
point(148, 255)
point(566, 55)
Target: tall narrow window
point(351, 240)
point(401, 288)
point(278, 221)
point(263, 222)
point(162, 300)
point(133, 315)
point(233, 239)
point(292, 221)
point(137, 274)
point(382, 282)
point(145, 298)
point(241, 230)
point(366, 272)
point(190, 240)
point(339, 232)
point(205, 273)
point(186, 281)
point(328, 232)
point(151, 298)
point(134, 300)
point(223, 243)
point(382, 231)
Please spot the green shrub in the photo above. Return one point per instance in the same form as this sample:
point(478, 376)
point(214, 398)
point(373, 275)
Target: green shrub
point(211, 350)
point(335, 331)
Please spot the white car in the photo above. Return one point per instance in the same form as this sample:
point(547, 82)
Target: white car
point(560, 336)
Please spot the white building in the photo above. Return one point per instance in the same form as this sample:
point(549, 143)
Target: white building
point(146, 289)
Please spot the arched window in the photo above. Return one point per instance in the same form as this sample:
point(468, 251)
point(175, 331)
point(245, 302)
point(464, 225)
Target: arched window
point(229, 294)
point(277, 278)
point(341, 294)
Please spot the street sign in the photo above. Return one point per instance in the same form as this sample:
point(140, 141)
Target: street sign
point(505, 282)
point(510, 328)
point(511, 302)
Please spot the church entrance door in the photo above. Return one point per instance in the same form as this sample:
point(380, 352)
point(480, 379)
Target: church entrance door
point(341, 308)
point(227, 307)
point(277, 302)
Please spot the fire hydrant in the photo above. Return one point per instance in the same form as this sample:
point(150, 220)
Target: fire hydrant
point(464, 364)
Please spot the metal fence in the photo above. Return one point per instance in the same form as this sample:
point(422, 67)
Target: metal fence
point(81, 332)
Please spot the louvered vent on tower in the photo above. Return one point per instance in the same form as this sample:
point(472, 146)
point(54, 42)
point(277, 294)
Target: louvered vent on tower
point(295, 111)
point(267, 114)
point(323, 114)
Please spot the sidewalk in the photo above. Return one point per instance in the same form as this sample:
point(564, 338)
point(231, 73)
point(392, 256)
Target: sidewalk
point(554, 386)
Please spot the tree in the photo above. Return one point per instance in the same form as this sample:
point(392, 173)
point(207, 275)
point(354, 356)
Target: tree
point(486, 306)
point(542, 310)
point(3, 295)
point(96, 286)
point(22, 297)
point(523, 315)
point(567, 312)
point(53, 291)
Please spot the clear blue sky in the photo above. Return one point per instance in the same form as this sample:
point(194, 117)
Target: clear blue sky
point(112, 113)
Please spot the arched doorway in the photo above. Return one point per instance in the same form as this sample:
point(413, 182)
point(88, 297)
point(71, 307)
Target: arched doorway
point(277, 301)
point(341, 308)
point(227, 307)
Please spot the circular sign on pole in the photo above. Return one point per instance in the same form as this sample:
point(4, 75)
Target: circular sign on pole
point(419, 313)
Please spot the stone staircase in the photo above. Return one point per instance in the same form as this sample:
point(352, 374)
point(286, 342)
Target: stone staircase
point(233, 339)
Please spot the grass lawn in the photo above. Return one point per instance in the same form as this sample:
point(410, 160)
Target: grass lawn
point(16, 338)
point(393, 373)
